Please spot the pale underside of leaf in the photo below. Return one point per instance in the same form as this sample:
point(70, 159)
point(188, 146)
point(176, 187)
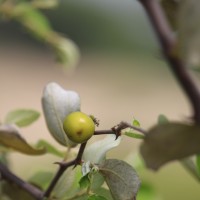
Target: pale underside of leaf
point(57, 103)
point(168, 142)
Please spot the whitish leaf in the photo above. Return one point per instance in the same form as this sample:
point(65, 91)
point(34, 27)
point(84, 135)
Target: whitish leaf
point(189, 31)
point(57, 103)
point(50, 148)
point(121, 179)
point(11, 138)
point(96, 152)
point(41, 179)
point(22, 117)
point(167, 142)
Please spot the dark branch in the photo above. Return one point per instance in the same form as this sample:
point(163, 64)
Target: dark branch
point(168, 41)
point(10, 177)
point(62, 167)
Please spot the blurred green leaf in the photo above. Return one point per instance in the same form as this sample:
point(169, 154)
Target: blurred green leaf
point(11, 138)
point(49, 148)
point(97, 181)
point(148, 192)
point(103, 192)
point(33, 20)
point(134, 135)
point(44, 4)
point(96, 197)
point(162, 119)
point(39, 26)
point(64, 187)
point(167, 142)
point(41, 179)
point(22, 117)
point(65, 49)
point(121, 179)
point(198, 164)
point(190, 165)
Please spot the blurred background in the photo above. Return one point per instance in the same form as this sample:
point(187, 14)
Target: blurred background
point(121, 75)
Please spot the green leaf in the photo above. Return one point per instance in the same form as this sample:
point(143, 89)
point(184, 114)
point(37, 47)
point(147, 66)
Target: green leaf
point(97, 181)
point(103, 192)
point(66, 50)
point(148, 192)
point(84, 181)
point(168, 142)
point(44, 4)
point(136, 123)
point(190, 166)
point(22, 117)
point(162, 119)
point(41, 179)
point(96, 197)
point(64, 187)
point(198, 163)
point(121, 179)
point(11, 138)
point(57, 103)
point(33, 20)
point(49, 148)
point(134, 135)
point(96, 152)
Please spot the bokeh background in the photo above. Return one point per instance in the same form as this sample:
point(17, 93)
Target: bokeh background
point(121, 75)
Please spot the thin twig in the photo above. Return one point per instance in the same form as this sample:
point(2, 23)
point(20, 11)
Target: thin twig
point(10, 177)
point(168, 42)
point(62, 167)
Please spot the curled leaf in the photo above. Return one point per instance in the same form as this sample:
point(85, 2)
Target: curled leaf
point(96, 152)
point(57, 103)
point(170, 141)
point(22, 117)
point(121, 179)
point(11, 138)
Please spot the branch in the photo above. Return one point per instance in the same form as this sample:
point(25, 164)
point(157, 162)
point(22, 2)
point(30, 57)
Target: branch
point(168, 41)
point(62, 167)
point(10, 177)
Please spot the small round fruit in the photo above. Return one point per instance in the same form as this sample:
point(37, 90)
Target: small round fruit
point(79, 127)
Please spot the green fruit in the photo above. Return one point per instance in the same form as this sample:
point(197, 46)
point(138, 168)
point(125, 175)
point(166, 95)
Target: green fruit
point(79, 127)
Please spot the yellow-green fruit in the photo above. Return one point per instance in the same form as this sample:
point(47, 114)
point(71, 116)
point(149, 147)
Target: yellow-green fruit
point(79, 127)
